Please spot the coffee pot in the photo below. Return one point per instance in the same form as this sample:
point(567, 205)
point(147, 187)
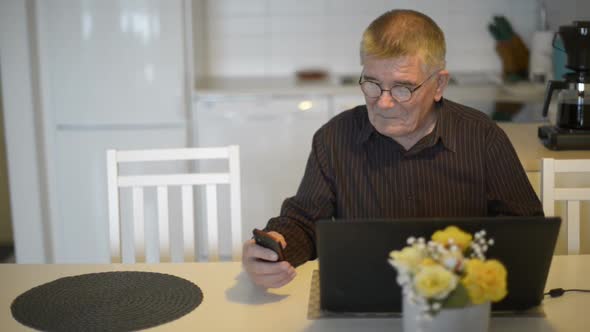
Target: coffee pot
point(573, 99)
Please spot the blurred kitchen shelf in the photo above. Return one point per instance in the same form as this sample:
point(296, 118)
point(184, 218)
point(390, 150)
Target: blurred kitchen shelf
point(271, 85)
point(467, 86)
point(474, 78)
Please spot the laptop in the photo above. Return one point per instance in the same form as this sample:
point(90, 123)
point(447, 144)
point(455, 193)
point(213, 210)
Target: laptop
point(356, 277)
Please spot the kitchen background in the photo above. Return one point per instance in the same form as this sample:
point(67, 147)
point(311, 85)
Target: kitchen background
point(82, 76)
point(278, 37)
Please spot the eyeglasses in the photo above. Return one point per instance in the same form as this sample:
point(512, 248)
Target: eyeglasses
point(401, 93)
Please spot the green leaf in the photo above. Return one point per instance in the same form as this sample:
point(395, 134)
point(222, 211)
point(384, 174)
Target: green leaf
point(458, 298)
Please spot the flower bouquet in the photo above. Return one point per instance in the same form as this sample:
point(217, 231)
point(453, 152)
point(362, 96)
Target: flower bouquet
point(448, 273)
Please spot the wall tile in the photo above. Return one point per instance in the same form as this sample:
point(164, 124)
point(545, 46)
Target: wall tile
point(354, 7)
point(237, 7)
point(230, 27)
point(296, 25)
point(297, 8)
point(244, 56)
point(350, 26)
point(288, 35)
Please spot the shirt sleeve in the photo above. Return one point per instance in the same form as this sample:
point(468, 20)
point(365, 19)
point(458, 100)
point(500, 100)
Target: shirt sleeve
point(509, 191)
point(315, 200)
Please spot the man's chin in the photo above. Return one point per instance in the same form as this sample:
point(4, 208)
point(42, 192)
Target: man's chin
point(393, 132)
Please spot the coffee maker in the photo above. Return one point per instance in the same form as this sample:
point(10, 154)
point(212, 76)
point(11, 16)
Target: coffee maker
point(572, 126)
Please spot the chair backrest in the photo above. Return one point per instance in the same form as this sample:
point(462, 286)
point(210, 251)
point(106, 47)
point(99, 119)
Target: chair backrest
point(186, 182)
point(572, 196)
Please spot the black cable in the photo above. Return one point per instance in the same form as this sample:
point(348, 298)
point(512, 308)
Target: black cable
point(556, 292)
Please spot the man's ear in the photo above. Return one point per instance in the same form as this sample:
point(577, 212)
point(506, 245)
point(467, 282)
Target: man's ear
point(441, 84)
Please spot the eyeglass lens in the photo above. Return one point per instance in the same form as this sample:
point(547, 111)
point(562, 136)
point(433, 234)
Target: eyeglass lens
point(373, 90)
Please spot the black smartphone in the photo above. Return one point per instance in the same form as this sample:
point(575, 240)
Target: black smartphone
point(264, 240)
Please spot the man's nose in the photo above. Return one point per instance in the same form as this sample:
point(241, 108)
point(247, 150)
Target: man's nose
point(386, 101)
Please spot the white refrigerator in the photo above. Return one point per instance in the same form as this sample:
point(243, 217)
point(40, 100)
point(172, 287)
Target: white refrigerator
point(113, 74)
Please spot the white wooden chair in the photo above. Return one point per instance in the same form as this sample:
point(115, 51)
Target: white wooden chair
point(162, 182)
point(572, 196)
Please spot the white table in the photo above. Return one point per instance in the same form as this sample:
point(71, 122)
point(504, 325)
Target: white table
point(231, 302)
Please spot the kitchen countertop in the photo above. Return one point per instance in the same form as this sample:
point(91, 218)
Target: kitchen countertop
point(516, 102)
point(269, 85)
point(482, 90)
point(529, 148)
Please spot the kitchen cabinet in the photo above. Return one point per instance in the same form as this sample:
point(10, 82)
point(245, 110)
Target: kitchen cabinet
point(343, 102)
point(274, 133)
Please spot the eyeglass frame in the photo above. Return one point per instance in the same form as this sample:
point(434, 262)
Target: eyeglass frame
point(412, 90)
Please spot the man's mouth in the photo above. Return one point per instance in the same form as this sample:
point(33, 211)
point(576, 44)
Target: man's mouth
point(387, 116)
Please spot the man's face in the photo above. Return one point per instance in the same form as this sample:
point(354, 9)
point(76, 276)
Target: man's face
point(402, 120)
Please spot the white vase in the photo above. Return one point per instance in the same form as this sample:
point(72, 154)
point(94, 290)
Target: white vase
point(475, 318)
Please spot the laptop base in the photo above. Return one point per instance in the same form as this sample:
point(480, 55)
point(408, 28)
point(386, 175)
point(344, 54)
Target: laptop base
point(314, 311)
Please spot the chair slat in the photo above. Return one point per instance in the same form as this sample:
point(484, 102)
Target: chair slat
point(172, 154)
point(113, 191)
point(235, 202)
point(138, 219)
point(172, 179)
point(188, 223)
point(163, 227)
point(564, 194)
point(212, 221)
point(573, 227)
point(571, 165)
point(548, 186)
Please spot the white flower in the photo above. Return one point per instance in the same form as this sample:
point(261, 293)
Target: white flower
point(403, 278)
point(450, 262)
point(407, 259)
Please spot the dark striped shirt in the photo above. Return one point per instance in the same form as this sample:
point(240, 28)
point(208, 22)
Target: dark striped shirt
point(466, 167)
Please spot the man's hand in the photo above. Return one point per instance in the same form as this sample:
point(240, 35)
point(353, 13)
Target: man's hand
point(261, 265)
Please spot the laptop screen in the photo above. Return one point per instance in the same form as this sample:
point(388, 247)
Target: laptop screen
point(355, 275)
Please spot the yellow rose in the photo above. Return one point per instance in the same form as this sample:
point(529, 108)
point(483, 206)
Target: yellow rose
point(408, 258)
point(434, 282)
point(428, 261)
point(460, 238)
point(485, 281)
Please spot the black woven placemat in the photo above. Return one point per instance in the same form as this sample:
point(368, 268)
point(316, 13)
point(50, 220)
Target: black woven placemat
point(109, 301)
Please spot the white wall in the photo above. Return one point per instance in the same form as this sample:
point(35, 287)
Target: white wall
point(277, 37)
point(564, 12)
point(21, 121)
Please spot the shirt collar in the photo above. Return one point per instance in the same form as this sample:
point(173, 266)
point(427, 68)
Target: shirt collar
point(442, 130)
point(366, 131)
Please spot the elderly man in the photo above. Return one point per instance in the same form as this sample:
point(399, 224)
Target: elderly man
point(407, 153)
